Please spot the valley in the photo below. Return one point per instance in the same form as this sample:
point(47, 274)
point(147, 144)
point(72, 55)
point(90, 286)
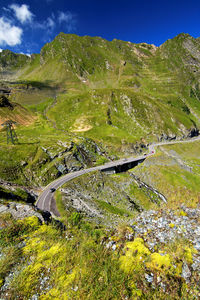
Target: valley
point(107, 163)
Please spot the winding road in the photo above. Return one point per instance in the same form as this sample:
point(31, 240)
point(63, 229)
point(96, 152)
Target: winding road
point(45, 199)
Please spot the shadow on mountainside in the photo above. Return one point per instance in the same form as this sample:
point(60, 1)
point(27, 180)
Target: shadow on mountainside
point(28, 143)
point(48, 84)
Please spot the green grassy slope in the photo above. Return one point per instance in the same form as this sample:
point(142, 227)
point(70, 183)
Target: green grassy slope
point(174, 171)
point(115, 93)
point(119, 91)
point(10, 60)
point(79, 103)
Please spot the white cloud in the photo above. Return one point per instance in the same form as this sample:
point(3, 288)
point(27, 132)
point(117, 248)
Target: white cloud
point(9, 35)
point(27, 54)
point(23, 14)
point(65, 17)
point(68, 18)
point(50, 23)
point(1, 50)
point(6, 9)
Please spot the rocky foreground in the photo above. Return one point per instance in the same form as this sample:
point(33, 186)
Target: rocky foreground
point(159, 253)
point(172, 241)
point(163, 227)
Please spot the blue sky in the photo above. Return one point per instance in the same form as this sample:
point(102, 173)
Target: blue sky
point(26, 25)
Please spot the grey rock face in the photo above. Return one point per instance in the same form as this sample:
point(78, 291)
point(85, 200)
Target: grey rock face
point(20, 211)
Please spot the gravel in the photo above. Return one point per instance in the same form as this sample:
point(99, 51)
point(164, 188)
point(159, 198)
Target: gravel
point(166, 226)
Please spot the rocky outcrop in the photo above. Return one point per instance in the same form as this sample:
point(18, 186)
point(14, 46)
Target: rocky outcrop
point(75, 156)
point(151, 192)
point(11, 191)
point(166, 137)
point(4, 90)
point(166, 226)
point(139, 147)
point(4, 102)
point(193, 132)
point(20, 211)
point(78, 201)
point(10, 60)
point(190, 133)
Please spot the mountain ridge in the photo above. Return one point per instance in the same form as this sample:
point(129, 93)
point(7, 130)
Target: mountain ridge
point(138, 83)
point(84, 102)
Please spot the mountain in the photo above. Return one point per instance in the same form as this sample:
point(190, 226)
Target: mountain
point(11, 60)
point(11, 63)
point(118, 94)
point(81, 102)
point(119, 91)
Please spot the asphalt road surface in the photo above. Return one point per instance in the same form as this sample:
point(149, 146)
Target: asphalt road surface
point(45, 199)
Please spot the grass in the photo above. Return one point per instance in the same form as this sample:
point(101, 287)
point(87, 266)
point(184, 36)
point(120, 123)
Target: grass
point(103, 107)
point(64, 263)
point(17, 194)
point(116, 94)
point(159, 87)
point(32, 165)
point(112, 209)
point(116, 196)
point(173, 180)
point(128, 113)
point(60, 204)
point(77, 264)
point(11, 257)
point(171, 166)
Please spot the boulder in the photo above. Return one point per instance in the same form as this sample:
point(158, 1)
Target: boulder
point(4, 102)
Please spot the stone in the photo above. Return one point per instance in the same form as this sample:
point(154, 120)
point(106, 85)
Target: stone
point(3, 208)
point(4, 102)
point(20, 211)
point(75, 289)
point(114, 247)
point(149, 278)
point(186, 273)
point(197, 231)
point(110, 244)
point(197, 245)
point(35, 297)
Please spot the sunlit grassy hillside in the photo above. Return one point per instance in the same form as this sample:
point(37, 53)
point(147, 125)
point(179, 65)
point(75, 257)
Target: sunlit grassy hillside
point(79, 103)
point(115, 93)
point(118, 91)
